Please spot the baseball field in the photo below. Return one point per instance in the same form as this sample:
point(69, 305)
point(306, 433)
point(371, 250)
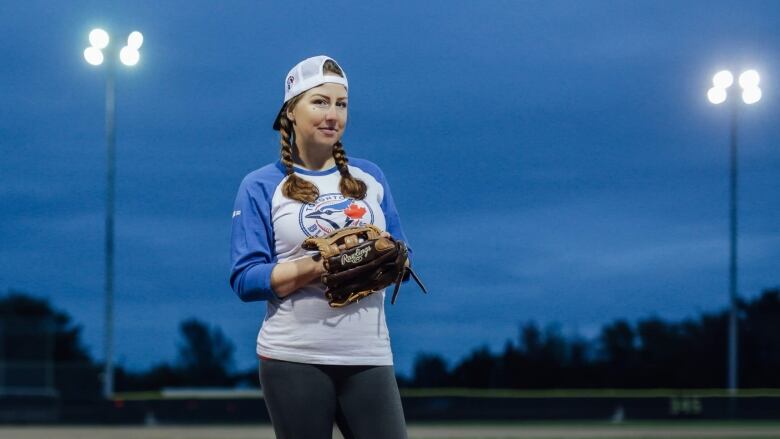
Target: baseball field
point(527, 430)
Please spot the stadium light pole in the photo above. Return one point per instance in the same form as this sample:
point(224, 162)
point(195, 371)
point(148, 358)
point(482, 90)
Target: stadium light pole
point(100, 41)
point(751, 93)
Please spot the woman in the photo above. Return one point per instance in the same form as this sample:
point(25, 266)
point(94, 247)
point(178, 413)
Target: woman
point(318, 364)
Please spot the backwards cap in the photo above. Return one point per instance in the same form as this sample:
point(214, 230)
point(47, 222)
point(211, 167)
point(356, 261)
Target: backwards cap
point(305, 75)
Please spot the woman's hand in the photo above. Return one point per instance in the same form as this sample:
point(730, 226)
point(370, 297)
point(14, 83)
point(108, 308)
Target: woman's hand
point(387, 235)
point(287, 277)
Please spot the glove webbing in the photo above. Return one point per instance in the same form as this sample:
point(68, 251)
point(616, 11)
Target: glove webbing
point(404, 273)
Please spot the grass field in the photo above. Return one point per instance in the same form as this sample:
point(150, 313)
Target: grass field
point(527, 430)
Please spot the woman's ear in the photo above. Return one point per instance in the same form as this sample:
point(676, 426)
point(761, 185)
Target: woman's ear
point(290, 116)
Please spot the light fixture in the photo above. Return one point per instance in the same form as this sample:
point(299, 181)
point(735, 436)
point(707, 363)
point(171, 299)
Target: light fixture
point(748, 80)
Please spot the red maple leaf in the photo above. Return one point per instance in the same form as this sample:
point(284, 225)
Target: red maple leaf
point(354, 211)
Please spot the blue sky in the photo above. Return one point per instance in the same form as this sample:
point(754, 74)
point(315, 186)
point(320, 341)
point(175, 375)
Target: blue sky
point(551, 161)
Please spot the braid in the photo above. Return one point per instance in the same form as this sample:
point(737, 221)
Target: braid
point(284, 130)
point(295, 187)
point(341, 159)
point(349, 186)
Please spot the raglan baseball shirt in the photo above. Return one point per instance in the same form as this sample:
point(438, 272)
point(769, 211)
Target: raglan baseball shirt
point(268, 228)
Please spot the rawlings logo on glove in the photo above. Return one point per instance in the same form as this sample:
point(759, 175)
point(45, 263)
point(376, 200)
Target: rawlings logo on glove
point(354, 258)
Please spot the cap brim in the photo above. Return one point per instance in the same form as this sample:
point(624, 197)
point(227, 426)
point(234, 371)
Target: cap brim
point(277, 125)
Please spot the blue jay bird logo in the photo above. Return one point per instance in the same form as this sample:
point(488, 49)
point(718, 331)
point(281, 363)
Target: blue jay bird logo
point(332, 212)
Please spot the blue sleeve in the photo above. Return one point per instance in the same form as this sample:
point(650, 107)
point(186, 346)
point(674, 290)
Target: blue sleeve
point(252, 243)
point(392, 220)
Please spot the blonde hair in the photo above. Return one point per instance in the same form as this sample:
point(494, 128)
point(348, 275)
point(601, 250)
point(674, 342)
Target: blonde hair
point(297, 188)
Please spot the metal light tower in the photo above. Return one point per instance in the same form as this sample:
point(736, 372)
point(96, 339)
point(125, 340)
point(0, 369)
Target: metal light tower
point(751, 93)
point(129, 56)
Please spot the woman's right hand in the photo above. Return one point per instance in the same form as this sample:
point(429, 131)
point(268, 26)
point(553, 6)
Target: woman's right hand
point(288, 277)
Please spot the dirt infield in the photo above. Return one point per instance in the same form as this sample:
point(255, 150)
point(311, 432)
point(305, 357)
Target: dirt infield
point(417, 431)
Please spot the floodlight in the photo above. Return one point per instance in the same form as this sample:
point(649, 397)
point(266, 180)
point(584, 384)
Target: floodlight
point(98, 38)
point(129, 56)
point(135, 40)
point(723, 79)
point(749, 79)
point(93, 55)
point(716, 95)
point(751, 95)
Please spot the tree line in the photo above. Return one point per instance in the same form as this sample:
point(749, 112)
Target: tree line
point(41, 348)
point(650, 353)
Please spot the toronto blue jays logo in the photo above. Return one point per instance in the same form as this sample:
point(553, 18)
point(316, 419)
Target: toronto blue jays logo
point(331, 212)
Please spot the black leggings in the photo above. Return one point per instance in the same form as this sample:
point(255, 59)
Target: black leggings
point(304, 400)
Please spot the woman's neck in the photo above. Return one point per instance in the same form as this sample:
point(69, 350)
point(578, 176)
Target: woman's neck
point(314, 158)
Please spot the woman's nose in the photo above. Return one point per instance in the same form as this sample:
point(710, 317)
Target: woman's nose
point(332, 113)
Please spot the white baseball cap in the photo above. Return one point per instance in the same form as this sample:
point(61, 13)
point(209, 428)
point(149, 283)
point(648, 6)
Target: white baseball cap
point(305, 75)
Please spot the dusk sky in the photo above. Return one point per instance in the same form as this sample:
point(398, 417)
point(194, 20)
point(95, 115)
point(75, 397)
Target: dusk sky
point(551, 161)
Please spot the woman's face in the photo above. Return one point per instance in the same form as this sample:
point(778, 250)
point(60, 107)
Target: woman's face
point(320, 117)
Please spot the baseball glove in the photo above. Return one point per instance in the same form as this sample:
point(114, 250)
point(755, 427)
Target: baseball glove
point(359, 261)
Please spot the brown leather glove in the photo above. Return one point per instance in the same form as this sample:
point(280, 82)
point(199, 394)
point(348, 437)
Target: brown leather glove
point(359, 261)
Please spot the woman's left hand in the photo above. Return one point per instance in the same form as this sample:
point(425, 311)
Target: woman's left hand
point(384, 234)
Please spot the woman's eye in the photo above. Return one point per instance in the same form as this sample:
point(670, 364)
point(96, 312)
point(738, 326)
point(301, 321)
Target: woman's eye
point(319, 102)
point(342, 104)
